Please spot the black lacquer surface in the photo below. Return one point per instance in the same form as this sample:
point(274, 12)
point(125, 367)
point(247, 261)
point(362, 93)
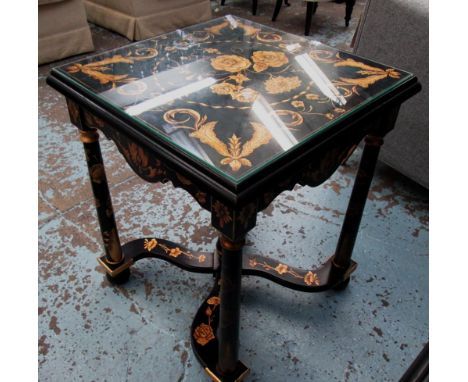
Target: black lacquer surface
point(231, 93)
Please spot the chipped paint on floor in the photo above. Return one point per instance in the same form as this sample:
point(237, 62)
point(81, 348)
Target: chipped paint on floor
point(92, 331)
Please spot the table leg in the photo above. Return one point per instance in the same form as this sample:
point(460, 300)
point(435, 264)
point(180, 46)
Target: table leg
point(277, 9)
point(230, 288)
point(113, 259)
point(352, 220)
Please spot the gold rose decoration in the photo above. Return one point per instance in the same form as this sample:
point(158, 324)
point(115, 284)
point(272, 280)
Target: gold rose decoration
point(280, 84)
point(230, 63)
point(236, 92)
point(225, 88)
point(264, 59)
point(203, 333)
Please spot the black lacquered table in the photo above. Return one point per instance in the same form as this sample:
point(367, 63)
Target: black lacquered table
point(234, 113)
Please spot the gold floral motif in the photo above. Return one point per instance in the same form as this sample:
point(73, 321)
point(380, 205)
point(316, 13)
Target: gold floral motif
point(235, 153)
point(297, 104)
point(281, 269)
point(312, 96)
point(149, 245)
point(222, 213)
point(138, 158)
point(239, 78)
point(280, 84)
point(311, 278)
point(175, 252)
point(236, 92)
point(201, 197)
point(213, 300)
point(264, 59)
point(230, 63)
point(268, 37)
point(373, 74)
point(211, 50)
point(245, 95)
point(203, 334)
point(224, 88)
point(329, 116)
point(201, 258)
point(97, 173)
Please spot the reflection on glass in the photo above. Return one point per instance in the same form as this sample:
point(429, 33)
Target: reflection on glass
point(273, 123)
point(170, 96)
point(180, 138)
point(319, 78)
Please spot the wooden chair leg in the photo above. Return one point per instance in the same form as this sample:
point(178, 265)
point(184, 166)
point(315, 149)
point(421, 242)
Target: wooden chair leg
point(286, 2)
point(349, 10)
point(254, 7)
point(309, 13)
point(222, 2)
point(277, 9)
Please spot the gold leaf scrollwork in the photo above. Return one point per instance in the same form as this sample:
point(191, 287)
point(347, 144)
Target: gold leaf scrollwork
point(373, 74)
point(98, 70)
point(235, 152)
point(296, 118)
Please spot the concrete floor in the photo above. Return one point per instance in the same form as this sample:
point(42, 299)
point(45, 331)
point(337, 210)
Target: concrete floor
point(92, 331)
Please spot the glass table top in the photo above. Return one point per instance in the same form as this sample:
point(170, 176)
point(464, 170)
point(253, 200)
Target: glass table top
point(233, 94)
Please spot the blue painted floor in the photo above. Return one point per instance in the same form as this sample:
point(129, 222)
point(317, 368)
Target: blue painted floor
point(92, 331)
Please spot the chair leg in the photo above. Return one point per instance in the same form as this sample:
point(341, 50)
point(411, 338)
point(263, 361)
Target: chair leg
point(277, 9)
point(254, 7)
point(349, 10)
point(315, 8)
point(310, 11)
point(286, 2)
point(222, 2)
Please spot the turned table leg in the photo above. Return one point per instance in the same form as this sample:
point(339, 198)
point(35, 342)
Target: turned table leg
point(352, 220)
point(113, 261)
point(230, 288)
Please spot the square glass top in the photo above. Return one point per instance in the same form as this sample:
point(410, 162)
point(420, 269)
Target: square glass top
point(233, 94)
